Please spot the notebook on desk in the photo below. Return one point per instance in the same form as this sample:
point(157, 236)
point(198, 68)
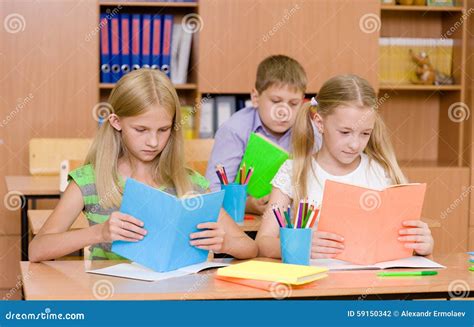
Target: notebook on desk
point(139, 272)
point(169, 221)
point(273, 272)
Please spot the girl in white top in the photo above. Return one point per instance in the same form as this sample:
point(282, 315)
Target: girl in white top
point(355, 150)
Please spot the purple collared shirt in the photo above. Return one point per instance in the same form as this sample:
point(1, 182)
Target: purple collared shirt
point(231, 140)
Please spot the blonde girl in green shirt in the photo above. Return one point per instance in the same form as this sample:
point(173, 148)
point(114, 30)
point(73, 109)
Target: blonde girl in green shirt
point(140, 139)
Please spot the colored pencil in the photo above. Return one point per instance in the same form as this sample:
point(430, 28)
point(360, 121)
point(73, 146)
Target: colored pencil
point(249, 174)
point(276, 216)
point(220, 171)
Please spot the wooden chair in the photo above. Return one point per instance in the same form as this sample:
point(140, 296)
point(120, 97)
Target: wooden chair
point(46, 154)
point(197, 153)
point(65, 167)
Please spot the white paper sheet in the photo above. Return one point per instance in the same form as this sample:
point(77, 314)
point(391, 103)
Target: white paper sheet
point(411, 262)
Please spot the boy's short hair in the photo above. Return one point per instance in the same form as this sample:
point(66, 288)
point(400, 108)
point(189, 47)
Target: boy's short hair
point(280, 70)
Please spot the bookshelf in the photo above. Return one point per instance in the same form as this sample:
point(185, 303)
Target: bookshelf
point(420, 8)
point(432, 145)
point(179, 87)
point(449, 136)
point(160, 4)
point(413, 87)
point(238, 35)
point(187, 92)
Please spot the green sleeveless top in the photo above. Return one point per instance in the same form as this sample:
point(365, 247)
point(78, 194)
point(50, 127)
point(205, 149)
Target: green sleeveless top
point(84, 177)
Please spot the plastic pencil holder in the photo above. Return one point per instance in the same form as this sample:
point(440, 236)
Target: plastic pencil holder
point(295, 245)
point(235, 199)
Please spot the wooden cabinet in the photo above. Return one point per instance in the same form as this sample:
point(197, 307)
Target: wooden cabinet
point(430, 126)
point(48, 88)
point(324, 36)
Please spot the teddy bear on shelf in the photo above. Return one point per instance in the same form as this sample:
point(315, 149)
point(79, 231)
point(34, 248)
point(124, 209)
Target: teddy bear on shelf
point(426, 74)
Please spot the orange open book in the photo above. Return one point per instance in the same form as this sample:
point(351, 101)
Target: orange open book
point(370, 220)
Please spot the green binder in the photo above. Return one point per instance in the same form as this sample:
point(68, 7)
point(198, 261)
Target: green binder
point(266, 158)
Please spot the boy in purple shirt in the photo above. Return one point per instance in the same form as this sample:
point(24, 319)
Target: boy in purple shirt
point(279, 91)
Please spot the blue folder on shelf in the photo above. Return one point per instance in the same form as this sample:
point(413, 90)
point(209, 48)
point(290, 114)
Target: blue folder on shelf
point(145, 59)
point(136, 41)
point(105, 74)
point(166, 44)
point(169, 221)
point(125, 44)
point(156, 42)
point(115, 48)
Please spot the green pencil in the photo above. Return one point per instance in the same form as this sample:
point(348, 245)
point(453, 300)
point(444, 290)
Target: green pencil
point(288, 220)
point(305, 220)
point(407, 273)
point(471, 268)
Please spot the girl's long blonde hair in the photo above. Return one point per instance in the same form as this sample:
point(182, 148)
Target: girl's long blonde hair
point(133, 95)
point(340, 90)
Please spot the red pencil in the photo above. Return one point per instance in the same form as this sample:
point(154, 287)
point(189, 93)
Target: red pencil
point(219, 176)
point(249, 174)
point(221, 169)
point(315, 213)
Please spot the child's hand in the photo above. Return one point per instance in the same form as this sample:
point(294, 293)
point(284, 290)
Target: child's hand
point(122, 227)
point(418, 237)
point(256, 206)
point(326, 245)
point(211, 239)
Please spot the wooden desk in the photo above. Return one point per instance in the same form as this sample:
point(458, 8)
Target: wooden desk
point(33, 185)
point(37, 218)
point(31, 188)
point(67, 280)
point(251, 225)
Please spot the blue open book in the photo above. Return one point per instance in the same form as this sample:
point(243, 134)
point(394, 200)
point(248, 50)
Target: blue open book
point(168, 221)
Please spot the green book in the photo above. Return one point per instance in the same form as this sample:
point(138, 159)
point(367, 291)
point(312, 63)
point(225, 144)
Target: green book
point(266, 158)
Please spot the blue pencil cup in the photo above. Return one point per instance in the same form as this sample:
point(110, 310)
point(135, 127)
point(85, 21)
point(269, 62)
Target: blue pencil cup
point(234, 200)
point(295, 245)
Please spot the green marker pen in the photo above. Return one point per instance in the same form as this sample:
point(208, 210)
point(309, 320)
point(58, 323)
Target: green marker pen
point(407, 273)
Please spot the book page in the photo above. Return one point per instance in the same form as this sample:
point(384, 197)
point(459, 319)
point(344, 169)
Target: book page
point(136, 271)
point(411, 262)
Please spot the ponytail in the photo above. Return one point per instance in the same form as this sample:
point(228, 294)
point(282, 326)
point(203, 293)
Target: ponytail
point(303, 142)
